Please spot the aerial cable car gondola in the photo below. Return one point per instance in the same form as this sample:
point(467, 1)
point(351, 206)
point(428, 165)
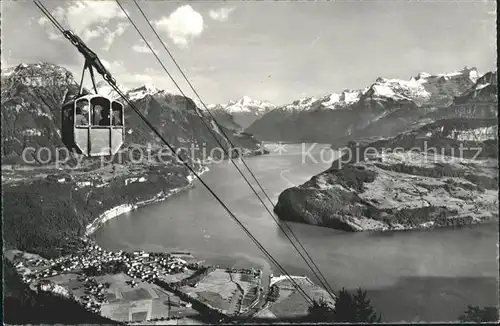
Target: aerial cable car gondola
point(93, 61)
point(92, 124)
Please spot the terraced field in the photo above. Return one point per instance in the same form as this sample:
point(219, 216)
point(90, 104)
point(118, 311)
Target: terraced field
point(231, 292)
point(144, 301)
point(235, 303)
point(291, 303)
point(174, 278)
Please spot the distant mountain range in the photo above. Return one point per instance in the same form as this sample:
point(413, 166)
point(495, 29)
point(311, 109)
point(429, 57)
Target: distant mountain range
point(383, 109)
point(32, 96)
point(243, 112)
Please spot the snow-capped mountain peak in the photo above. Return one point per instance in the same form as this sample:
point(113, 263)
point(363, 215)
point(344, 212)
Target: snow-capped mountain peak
point(6, 72)
point(471, 73)
point(103, 88)
point(474, 75)
point(331, 101)
point(424, 87)
point(258, 105)
point(245, 100)
point(244, 111)
point(398, 89)
point(385, 107)
point(245, 105)
point(41, 74)
point(300, 104)
point(340, 100)
point(422, 75)
point(142, 91)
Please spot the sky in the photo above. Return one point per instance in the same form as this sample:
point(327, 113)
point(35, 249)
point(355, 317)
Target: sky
point(278, 51)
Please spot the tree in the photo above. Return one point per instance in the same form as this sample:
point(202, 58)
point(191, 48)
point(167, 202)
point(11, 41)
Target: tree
point(320, 311)
point(475, 314)
point(349, 308)
point(364, 310)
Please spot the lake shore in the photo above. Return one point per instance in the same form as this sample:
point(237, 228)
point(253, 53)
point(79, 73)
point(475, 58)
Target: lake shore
point(162, 196)
point(125, 208)
point(375, 261)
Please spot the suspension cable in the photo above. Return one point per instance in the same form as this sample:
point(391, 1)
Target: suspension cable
point(50, 17)
point(322, 279)
point(111, 82)
point(260, 246)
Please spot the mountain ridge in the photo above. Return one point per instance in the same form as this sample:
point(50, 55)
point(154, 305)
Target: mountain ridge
point(32, 96)
point(318, 119)
point(243, 111)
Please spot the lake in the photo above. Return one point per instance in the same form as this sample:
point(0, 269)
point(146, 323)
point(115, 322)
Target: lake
point(428, 275)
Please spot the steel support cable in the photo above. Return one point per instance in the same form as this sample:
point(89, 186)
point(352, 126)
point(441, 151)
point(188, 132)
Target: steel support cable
point(49, 16)
point(322, 279)
point(266, 253)
point(259, 245)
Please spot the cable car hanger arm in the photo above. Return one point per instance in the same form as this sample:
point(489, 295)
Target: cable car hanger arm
point(87, 65)
point(91, 58)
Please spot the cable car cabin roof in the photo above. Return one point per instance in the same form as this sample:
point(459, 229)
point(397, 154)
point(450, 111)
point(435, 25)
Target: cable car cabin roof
point(89, 97)
point(100, 107)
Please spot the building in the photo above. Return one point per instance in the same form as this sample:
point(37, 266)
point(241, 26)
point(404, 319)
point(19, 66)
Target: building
point(61, 178)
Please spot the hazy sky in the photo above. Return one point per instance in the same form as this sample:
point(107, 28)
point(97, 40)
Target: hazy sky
point(274, 50)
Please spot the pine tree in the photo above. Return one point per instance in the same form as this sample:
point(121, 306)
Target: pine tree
point(320, 311)
point(349, 308)
point(345, 307)
point(364, 311)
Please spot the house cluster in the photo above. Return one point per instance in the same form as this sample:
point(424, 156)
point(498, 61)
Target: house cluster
point(35, 269)
point(93, 256)
point(134, 179)
point(26, 268)
point(95, 293)
point(80, 181)
point(253, 272)
point(89, 180)
point(93, 260)
point(132, 283)
point(61, 178)
point(81, 184)
point(48, 286)
point(149, 267)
